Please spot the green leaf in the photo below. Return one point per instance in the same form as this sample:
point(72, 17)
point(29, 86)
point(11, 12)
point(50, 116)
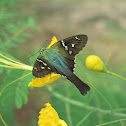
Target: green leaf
point(27, 35)
point(19, 39)
point(31, 21)
point(10, 45)
point(11, 28)
point(18, 100)
point(2, 2)
point(12, 3)
point(21, 98)
point(4, 34)
point(24, 97)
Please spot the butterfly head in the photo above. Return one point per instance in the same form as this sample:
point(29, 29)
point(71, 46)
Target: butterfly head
point(42, 49)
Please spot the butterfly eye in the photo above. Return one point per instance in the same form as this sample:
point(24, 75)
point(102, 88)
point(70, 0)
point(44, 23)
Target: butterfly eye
point(40, 51)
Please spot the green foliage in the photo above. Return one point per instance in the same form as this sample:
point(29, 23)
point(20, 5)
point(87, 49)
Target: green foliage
point(92, 109)
point(15, 94)
point(13, 27)
point(21, 93)
point(18, 36)
point(11, 3)
point(115, 32)
point(15, 34)
point(75, 109)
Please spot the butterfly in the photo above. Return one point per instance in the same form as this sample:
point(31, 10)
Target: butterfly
point(59, 59)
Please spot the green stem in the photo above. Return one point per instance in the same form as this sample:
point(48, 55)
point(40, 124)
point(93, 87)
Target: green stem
point(108, 58)
point(13, 82)
point(114, 74)
point(101, 96)
point(68, 107)
point(82, 105)
point(2, 120)
point(109, 72)
point(111, 122)
point(13, 37)
point(84, 119)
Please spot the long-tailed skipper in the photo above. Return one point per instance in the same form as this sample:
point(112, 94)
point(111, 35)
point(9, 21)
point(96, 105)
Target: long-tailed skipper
point(59, 59)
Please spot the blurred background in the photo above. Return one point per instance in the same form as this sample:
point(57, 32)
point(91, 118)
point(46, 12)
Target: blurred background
point(28, 25)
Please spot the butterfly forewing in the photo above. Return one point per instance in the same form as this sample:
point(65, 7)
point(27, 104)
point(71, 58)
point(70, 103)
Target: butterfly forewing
point(41, 67)
point(71, 46)
point(75, 43)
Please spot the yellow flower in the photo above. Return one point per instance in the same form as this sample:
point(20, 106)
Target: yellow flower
point(54, 40)
point(49, 117)
point(39, 82)
point(10, 63)
point(94, 63)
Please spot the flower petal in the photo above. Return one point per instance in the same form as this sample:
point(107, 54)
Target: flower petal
point(54, 40)
point(39, 82)
point(62, 123)
point(48, 116)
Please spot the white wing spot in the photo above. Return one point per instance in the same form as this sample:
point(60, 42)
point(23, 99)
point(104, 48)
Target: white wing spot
point(35, 68)
point(70, 52)
point(66, 48)
point(72, 45)
point(49, 68)
point(62, 41)
point(39, 60)
point(44, 64)
point(77, 38)
point(42, 67)
point(63, 44)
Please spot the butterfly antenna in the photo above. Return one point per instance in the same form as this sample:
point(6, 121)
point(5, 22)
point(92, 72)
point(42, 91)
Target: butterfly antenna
point(45, 43)
point(38, 51)
point(33, 55)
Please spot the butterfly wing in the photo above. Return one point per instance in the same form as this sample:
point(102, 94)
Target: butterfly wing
point(69, 47)
point(61, 60)
point(41, 67)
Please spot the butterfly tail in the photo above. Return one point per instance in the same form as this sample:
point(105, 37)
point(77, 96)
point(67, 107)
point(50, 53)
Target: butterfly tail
point(81, 86)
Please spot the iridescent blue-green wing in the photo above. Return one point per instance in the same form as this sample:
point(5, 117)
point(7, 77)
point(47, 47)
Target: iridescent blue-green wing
point(42, 67)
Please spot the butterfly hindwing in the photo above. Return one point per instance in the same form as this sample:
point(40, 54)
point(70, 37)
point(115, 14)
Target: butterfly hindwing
point(41, 67)
point(70, 64)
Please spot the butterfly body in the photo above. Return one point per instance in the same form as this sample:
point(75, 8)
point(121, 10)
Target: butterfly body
point(59, 59)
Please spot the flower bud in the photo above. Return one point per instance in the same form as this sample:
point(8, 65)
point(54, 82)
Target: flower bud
point(94, 63)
